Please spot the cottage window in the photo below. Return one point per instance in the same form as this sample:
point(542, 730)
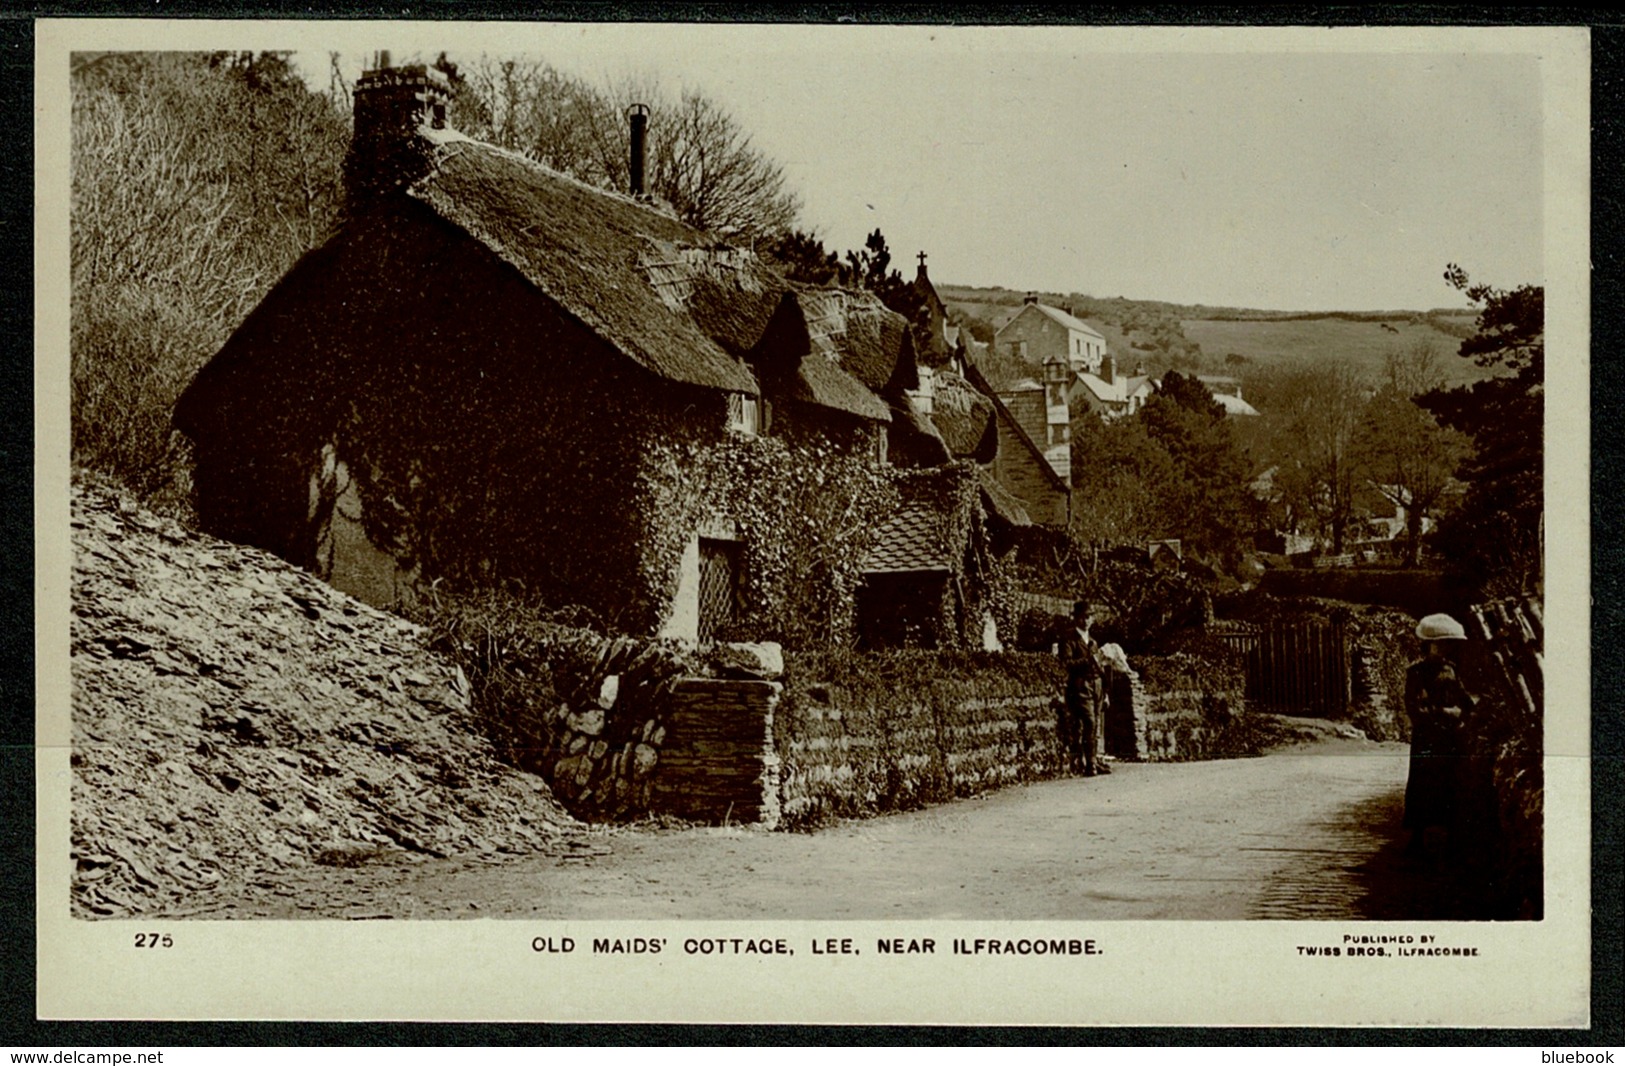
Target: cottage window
point(745, 414)
point(719, 586)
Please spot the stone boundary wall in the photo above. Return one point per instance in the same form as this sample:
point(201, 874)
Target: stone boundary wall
point(744, 751)
point(1189, 706)
point(850, 758)
point(701, 749)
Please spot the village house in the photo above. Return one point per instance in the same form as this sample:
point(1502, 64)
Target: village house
point(493, 375)
point(1110, 394)
point(1227, 391)
point(1064, 348)
point(1040, 334)
point(977, 422)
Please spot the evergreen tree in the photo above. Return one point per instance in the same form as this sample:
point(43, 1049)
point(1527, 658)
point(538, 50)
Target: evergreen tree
point(1494, 540)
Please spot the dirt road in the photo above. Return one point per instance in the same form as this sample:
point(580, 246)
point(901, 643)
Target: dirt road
point(1310, 832)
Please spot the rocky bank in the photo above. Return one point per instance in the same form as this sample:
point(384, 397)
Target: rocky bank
point(234, 717)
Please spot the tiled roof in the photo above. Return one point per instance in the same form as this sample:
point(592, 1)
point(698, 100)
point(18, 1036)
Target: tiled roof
point(913, 539)
point(1068, 321)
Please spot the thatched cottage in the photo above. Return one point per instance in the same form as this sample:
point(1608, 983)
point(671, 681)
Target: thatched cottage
point(493, 374)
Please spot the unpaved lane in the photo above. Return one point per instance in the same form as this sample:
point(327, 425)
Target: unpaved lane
point(1304, 833)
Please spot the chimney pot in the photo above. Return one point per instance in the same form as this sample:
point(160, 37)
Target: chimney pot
point(639, 116)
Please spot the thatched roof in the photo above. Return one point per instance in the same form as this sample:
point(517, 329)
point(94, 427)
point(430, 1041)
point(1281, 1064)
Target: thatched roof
point(964, 417)
point(668, 296)
point(660, 292)
point(794, 360)
point(857, 331)
point(914, 439)
point(1000, 502)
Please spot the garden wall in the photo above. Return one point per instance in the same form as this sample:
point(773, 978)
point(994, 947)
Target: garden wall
point(718, 763)
point(860, 734)
point(1193, 707)
point(623, 728)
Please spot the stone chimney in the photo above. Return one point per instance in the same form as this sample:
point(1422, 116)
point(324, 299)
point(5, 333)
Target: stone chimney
point(1032, 298)
point(1108, 369)
point(394, 106)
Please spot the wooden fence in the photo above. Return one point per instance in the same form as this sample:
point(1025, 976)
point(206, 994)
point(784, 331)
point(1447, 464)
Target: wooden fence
point(1298, 667)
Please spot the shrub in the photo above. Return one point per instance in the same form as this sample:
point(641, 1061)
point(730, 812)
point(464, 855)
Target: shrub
point(522, 666)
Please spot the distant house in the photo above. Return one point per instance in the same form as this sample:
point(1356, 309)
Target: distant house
point(495, 375)
point(1001, 431)
point(1110, 394)
point(1042, 334)
point(1227, 390)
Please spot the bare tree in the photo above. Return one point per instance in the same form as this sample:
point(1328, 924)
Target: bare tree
point(701, 161)
point(196, 181)
point(1318, 410)
point(1406, 455)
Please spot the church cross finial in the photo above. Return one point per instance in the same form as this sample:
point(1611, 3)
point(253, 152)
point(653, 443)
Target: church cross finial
point(922, 259)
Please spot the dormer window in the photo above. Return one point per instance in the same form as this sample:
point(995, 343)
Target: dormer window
point(746, 414)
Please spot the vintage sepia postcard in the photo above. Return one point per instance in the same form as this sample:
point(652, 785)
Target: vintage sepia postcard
point(813, 523)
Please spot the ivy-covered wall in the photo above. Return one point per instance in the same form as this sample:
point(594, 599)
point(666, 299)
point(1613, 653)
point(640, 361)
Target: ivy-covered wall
point(804, 511)
point(1194, 707)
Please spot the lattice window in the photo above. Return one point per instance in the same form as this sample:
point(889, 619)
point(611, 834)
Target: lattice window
point(719, 586)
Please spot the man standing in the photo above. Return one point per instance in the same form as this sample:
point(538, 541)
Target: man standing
point(1085, 694)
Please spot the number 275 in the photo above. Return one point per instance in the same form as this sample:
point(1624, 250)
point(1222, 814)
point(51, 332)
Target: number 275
point(154, 940)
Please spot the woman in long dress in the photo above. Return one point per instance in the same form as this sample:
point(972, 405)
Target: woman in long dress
point(1435, 701)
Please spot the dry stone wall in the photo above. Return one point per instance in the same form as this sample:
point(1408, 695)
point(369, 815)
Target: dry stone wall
point(1193, 707)
point(862, 734)
point(233, 715)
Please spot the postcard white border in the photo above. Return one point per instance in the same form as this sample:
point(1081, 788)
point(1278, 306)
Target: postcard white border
point(1150, 973)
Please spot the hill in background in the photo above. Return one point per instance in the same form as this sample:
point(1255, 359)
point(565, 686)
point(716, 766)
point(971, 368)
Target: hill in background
point(1246, 343)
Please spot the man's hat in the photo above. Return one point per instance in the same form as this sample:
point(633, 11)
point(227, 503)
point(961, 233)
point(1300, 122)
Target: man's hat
point(1082, 607)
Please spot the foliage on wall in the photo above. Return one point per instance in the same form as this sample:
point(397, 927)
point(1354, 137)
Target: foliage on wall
point(527, 672)
point(804, 511)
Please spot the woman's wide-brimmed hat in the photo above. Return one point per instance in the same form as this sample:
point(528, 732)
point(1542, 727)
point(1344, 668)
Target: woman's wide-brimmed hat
point(1440, 627)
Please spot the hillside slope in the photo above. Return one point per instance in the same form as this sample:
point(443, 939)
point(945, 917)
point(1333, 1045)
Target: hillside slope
point(1193, 337)
point(233, 715)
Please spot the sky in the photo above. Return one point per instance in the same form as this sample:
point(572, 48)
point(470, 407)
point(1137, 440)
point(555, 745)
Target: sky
point(1329, 169)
